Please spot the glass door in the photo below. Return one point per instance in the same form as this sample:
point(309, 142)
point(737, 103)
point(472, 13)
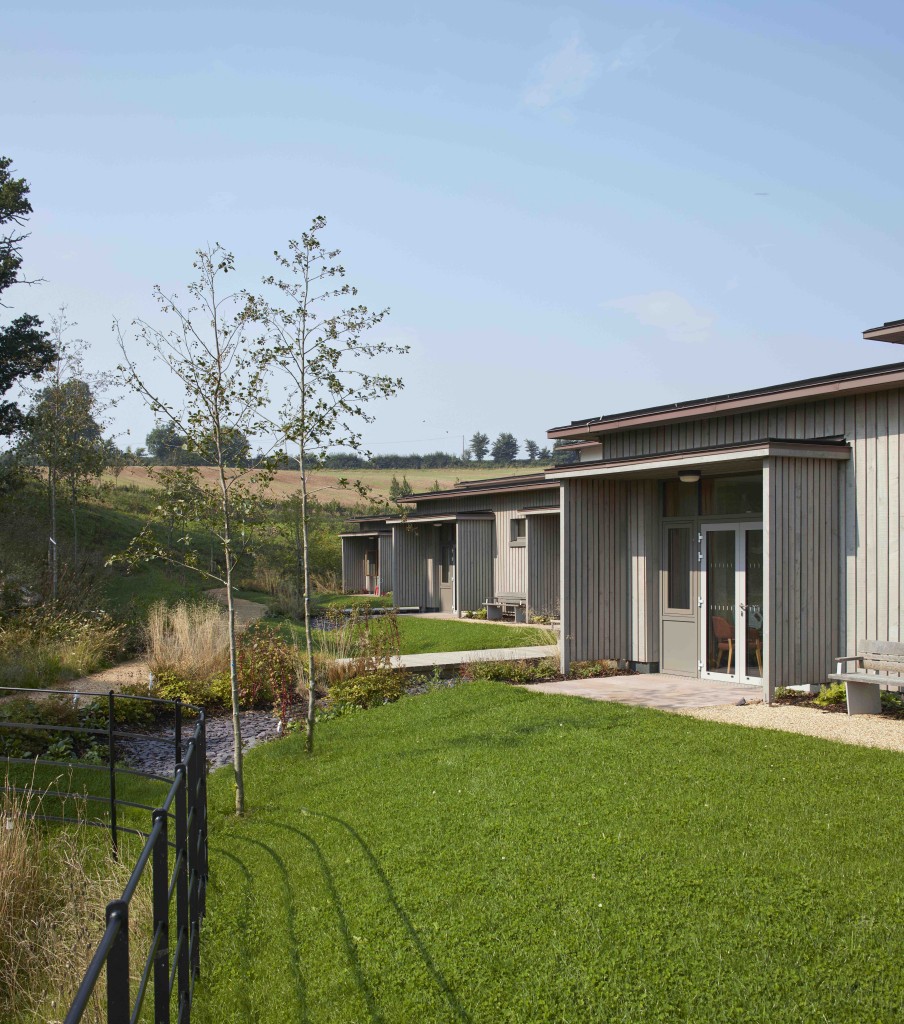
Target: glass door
point(732, 602)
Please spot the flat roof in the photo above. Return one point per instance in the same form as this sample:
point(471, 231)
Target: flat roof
point(499, 485)
point(873, 378)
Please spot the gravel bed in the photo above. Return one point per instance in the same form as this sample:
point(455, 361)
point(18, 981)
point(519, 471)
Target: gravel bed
point(155, 753)
point(860, 730)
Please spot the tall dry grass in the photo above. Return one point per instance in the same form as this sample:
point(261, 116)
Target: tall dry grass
point(190, 640)
point(54, 886)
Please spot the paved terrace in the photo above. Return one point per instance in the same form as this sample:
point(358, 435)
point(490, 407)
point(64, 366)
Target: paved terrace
point(669, 693)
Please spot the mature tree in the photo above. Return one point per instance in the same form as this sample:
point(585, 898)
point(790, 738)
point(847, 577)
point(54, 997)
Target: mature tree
point(479, 446)
point(544, 455)
point(165, 444)
point(563, 458)
point(25, 349)
point(63, 432)
point(321, 350)
point(532, 449)
point(217, 390)
point(505, 448)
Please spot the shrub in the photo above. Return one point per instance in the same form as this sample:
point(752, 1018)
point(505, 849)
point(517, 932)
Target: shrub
point(39, 646)
point(188, 639)
point(511, 671)
point(830, 695)
point(215, 692)
point(481, 613)
point(893, 703)
point(267, 667)
point(370, 689)
point(593, 669)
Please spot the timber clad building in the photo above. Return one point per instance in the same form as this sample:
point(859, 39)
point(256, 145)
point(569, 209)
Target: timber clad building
point(749, 537)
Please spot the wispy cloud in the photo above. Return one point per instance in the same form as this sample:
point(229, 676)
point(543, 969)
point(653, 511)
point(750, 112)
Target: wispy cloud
point(668, 312)
point(565, 74)
point(635, 52)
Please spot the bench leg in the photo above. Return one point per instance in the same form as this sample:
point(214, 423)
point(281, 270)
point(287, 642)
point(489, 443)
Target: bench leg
point(863, 698)
point(494, 613)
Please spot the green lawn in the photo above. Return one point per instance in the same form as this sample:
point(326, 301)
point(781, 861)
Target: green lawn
point(487, 854)
point(431, 636)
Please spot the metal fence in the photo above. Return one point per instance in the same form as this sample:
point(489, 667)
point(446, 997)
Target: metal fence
point(178, 867)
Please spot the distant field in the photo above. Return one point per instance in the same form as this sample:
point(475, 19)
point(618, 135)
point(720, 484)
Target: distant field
point(324, 483)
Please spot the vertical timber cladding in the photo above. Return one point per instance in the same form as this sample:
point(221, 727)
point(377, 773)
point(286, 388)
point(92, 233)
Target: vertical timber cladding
point(408, 572)
point(384, 553)
point(803, 545)
point(543, 569)
point(473, 563)
point(610, 570)
point(353, 550)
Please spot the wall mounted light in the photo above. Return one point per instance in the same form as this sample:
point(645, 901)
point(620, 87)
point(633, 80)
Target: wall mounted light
point(689, 476)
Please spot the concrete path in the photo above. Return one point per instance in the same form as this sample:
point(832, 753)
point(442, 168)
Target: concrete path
point(444, 658)
point(669, 693)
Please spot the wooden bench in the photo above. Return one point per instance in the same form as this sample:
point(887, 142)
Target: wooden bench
point(864, 694)
point(503, 605)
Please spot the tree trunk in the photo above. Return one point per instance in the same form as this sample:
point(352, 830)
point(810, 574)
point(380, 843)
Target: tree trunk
point(233, 661)
point(54, 551)
point(309, 645)
point(74, 528)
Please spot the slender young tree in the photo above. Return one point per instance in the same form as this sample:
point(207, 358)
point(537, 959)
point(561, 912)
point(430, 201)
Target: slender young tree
point(321, 350)
point(217, 390)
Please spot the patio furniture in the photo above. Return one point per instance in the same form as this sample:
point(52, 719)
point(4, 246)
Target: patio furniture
point(504, 606)
point(864, 691)
point(723, 631)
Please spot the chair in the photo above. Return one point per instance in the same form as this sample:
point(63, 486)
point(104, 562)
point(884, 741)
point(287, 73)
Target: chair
point(723, 631)
point(755, 644)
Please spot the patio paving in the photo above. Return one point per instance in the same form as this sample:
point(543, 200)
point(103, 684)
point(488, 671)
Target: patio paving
point(668, 693)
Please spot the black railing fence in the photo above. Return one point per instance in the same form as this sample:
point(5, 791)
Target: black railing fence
point(174, 851)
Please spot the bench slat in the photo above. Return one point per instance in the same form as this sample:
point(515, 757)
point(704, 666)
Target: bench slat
point(887, 648)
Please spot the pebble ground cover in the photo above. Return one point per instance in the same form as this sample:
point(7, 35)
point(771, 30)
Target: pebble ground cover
point(487, 854)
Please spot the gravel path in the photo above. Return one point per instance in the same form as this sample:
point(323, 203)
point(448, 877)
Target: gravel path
point(860, 730)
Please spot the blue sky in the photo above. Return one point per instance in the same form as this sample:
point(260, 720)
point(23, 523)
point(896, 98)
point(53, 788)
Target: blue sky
point(561, 205)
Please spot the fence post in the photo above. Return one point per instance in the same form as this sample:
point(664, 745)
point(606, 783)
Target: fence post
point(119, 1009)
point(194, 874)
point(160, 886)
point(111, 744)
point(202, 764)
point(182, 922)
point(178, 733)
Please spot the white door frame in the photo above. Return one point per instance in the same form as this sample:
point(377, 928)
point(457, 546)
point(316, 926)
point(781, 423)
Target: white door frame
point(739, 654)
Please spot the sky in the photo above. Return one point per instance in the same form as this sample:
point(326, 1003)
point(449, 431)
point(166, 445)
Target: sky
point(570, 210)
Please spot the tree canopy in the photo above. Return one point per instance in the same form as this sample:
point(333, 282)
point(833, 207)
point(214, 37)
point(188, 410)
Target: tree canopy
point(25, 349)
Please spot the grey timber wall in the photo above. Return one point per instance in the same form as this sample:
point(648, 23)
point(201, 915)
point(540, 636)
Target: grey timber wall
point(802, 516)
point(872, 593)
point(474, 563)
point(384, 553)
point(543, 565)
point(415, 555)
point(509, 563)
point(609, 570)
point(353, 550)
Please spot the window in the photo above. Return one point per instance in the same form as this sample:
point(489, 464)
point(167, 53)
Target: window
point(732, 495)
point(680, 540)
point(519, 532)
point(680, 499)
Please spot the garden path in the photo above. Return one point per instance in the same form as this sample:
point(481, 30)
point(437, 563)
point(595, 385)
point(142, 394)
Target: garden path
point(130, 673)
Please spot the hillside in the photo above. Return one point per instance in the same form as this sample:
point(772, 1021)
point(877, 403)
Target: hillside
point(325, 486)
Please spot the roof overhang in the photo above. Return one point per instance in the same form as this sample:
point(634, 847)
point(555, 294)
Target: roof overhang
point(366, 534)
point(743, 458)
point(856, 382)
point(502, 486)
point(547, 511)
point(892, 331)
point(439, 517)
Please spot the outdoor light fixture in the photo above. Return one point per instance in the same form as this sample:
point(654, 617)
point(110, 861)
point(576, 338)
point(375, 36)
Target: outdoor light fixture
point(689, 476)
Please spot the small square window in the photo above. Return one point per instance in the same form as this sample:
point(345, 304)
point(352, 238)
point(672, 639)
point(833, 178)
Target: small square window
point(519, 532)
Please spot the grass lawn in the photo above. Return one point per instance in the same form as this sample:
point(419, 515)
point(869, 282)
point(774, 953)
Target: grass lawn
point(486, 854)
point(432, 636)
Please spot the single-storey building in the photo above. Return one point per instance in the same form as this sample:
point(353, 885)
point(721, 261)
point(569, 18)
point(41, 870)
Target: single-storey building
point(747, 537)
point(367, 556)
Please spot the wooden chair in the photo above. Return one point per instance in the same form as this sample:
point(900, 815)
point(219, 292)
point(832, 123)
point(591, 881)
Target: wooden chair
point(723, 631)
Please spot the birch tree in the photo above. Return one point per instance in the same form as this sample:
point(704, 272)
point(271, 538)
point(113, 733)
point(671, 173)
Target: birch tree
point(318, 341)
point(215, 390)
